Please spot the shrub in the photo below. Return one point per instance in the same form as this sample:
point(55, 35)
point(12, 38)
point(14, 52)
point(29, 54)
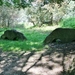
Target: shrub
point(68, 23)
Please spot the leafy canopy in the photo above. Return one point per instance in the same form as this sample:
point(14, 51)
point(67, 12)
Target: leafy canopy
point(16, 3)
point(25, 3)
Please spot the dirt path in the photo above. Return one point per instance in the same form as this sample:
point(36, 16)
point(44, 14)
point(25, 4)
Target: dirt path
point(53, 61)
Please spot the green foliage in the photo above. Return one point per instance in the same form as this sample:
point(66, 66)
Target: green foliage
point(25, 3)
point(68, 23)
point(34, 42)
point(57, 1)
point(22, 5)
point(8, 4)
point(1, 2)
point(16, 3)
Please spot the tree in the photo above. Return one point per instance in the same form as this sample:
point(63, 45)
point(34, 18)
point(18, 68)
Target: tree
point(8, 16)
point(46, 11)
point(16, 3)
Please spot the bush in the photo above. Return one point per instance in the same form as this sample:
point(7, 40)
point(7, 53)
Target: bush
point(68, 23)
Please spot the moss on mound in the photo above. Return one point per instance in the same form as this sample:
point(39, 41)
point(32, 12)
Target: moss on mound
point(62, 35)
point(13, 35)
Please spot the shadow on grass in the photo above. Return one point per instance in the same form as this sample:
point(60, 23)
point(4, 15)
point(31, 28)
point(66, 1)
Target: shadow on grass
point(8, 45)
point(34, 42)
point(67, 51)
point(13, 62)
point(19, 61)
point(50, 61)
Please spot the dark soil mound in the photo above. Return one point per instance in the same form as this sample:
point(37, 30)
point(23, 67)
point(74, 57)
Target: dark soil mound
point(62, 35)
point(13, 35)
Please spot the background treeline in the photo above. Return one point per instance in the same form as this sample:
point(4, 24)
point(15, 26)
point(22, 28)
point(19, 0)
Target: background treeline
point(26, 13)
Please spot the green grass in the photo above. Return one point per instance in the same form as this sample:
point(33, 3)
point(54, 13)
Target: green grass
point(35, 38)
point(68, 23)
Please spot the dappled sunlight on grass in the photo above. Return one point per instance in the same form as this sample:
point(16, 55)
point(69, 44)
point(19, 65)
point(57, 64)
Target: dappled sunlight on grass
point(46, 28)
point(20, 45)
point(35, 38)
point(33, 43)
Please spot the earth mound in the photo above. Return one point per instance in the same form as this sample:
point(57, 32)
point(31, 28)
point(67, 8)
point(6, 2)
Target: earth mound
point(13, 35)
point(63, 35)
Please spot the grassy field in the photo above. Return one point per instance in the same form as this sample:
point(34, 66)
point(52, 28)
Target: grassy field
point(35, 38)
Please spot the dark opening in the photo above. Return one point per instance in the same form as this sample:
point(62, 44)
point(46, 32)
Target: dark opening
point(6, 38)
point(54, 40)
point(15, 38)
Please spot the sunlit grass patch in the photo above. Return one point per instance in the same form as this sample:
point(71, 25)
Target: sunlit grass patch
point(19, 45)
point(35, 40)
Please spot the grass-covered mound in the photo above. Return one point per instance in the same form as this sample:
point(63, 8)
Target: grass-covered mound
point(62, 35)
point(13, 35)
